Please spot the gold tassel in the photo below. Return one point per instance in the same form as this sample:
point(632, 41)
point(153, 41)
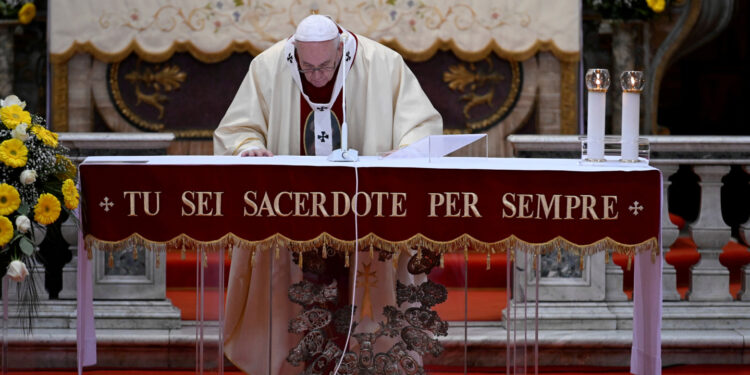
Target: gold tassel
point(277, 251)
point(346, 259)
point(183, 253)
point(419, 254)
point(205, 260)
point(466, 253)
point(559, 255)
point(230, 248)
point(157, 259)
point(135, 253)
point(325, 252)
point(653, 257)
point(606, 257)
point(512, 255)
point(488, 261)
point(300, 259)
point(394, 261)
point(372, 252)
point(442, 260)
point(111, 262)
point(89, 253)
point(630, 262)
point(253, 259)
point(581, 263)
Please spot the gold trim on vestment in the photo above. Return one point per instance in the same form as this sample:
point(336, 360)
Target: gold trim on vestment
point(246, 141)
point(463, 244)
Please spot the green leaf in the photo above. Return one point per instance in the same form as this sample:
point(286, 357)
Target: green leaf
point(23, 209)
point(16, 237)
point(26, 246)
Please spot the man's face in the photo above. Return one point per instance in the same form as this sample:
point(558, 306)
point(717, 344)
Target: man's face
point(318, 60)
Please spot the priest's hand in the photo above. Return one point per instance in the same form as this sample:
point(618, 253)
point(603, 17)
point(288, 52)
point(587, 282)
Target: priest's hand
point(256, 152)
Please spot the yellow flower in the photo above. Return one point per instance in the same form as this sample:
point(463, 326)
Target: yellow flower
point(70, 168)
point(10, 200)
point(6, 230)
point(13, 153)
point(27, 13)
point(47, 209)
point(70, 194)
point(656, 5)
point(13, 115)
point(49, 138)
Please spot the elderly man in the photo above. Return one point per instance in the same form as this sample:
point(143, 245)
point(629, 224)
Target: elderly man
point(293, 101)
point(290, 101)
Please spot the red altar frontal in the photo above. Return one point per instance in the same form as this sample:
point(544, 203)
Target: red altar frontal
point(330, 260)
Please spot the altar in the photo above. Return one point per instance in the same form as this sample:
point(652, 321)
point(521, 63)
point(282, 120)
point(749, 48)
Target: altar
point(330, 260)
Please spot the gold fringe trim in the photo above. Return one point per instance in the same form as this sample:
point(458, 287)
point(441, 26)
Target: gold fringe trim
point(329, 245)
point(154, 57)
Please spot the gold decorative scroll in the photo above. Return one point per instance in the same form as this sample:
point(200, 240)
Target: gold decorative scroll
point(568, 104)
point(212, 30)
point(60, 97)
point(326, 243)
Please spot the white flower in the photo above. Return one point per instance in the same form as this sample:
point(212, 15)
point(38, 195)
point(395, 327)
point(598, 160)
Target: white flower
point(28, 176)
point(20, 132)
point(11, 100)
point(23, 224)
point(17, 271)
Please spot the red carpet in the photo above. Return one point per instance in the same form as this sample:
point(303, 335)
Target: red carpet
point(486, 288)
point(681, 370)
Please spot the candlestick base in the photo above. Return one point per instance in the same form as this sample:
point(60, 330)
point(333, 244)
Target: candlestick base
point(594, 160)
point(613, 152)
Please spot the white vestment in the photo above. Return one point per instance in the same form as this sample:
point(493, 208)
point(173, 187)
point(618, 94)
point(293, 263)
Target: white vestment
point(385, 109)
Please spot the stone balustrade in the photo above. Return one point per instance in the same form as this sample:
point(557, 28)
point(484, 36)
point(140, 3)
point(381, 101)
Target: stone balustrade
point(708, 304)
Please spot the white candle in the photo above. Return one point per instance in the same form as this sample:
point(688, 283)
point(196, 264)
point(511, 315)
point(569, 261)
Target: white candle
point(631, 107)
point(632, 85)
point(597, 82)
point(595, 127)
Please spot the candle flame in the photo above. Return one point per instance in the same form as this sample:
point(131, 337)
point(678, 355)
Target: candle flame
point(598, 82)
point(632, 81)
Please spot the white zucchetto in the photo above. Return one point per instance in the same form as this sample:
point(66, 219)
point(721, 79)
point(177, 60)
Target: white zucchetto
point(316, 28)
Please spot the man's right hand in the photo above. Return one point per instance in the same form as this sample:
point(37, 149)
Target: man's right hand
point(256, 152)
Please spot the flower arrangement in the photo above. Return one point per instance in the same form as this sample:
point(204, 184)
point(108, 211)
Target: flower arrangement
point(626, 9)
point(24, 10)
point(37, 186)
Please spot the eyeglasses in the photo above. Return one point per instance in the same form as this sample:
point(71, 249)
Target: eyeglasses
point(324, 69)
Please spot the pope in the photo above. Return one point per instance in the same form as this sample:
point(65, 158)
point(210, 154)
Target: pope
point(293, 101)
point(293, 98)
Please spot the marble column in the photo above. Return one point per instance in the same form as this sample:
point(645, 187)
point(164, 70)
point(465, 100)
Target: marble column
point(744, 294)
point(613, 281)
point(6, 57)
point(709, 280)
point(669, 234)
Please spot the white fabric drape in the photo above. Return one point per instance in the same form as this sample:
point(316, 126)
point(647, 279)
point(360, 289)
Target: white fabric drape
point(211, 30)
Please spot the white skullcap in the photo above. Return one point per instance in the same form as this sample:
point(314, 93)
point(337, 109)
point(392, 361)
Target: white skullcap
point(316, 28)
